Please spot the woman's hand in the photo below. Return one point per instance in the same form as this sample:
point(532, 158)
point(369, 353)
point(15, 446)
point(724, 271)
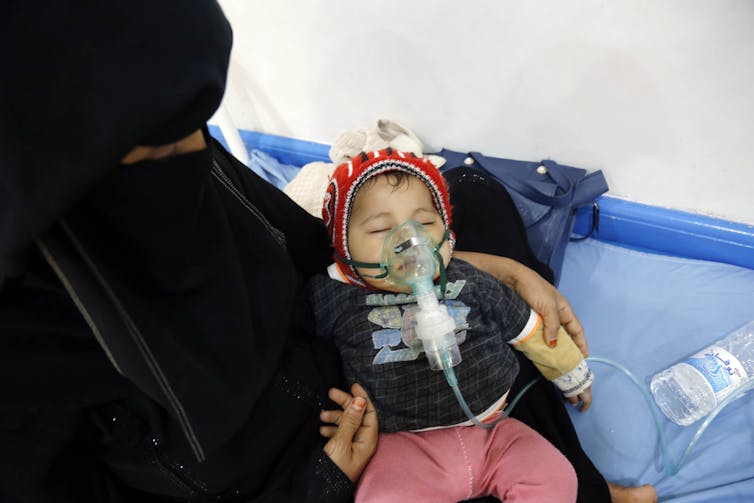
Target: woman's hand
point(536, 291)
point(353, 439)
point(551, 305)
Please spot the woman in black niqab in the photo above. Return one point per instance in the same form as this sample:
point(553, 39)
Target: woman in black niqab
point(202, 378)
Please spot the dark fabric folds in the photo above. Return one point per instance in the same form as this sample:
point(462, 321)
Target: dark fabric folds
point(190, 274)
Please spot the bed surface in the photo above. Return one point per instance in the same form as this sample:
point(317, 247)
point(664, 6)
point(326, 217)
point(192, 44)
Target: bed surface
point(647, 311)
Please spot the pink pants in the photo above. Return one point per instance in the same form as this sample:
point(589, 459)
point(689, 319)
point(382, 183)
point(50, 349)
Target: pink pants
point(511, 462)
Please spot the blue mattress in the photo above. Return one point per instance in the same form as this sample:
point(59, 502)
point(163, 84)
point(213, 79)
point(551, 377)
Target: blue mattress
point(647, 311)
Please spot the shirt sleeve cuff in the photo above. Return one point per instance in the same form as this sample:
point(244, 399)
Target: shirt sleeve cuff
point(532, 324)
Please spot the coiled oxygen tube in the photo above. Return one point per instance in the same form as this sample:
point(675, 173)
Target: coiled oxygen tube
point(443, 358)
point(411, 258)
point(670, 467)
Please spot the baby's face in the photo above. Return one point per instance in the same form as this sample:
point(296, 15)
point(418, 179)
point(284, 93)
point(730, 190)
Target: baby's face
point(380, 207)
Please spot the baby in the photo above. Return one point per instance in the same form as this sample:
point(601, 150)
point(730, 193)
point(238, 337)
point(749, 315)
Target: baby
point(428, 449)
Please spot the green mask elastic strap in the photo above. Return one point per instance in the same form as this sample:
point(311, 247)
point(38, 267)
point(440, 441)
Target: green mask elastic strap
point(436, 252)
point(383, 267)
point(363, 265)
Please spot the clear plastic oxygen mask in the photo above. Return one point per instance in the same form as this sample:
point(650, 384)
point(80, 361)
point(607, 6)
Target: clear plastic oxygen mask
point(412, 257)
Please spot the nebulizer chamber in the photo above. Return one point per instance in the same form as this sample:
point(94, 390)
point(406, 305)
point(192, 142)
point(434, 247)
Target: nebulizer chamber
point(409, 255)
point(411, 258)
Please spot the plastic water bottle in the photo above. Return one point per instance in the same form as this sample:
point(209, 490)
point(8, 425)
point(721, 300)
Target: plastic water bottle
point(689, 390)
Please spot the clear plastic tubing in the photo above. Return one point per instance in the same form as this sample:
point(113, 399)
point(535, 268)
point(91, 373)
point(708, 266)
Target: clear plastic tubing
point(450, 377)
point(671, 467)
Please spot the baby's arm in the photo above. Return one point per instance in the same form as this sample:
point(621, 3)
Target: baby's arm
point(564, 365)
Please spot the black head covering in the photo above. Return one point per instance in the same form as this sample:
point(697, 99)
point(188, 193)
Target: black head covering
point(84, 82)
point(202, 292)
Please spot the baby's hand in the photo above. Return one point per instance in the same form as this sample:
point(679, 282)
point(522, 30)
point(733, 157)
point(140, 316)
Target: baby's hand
point(583, 400)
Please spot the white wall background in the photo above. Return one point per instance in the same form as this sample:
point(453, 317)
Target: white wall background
point(657, 93)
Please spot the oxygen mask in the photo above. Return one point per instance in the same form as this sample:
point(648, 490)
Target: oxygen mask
point(411, 259)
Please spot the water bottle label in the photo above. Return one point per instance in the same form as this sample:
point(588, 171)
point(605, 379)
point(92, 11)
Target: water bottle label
point(721, 369)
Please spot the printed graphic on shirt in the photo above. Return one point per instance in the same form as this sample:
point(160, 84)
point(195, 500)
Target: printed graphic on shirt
point(396, 339)
point(386, 317)
point(452, 290)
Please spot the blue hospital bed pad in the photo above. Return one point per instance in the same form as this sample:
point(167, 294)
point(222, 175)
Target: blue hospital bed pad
point(647, 311)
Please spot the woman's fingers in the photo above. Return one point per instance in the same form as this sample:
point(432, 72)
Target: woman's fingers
point(551, 324)
point(572, 325)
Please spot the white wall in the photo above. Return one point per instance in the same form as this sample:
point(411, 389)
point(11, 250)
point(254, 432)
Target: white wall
point(659, 94)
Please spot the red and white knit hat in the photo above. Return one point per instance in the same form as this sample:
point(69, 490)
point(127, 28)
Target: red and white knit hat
point(347, 179)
